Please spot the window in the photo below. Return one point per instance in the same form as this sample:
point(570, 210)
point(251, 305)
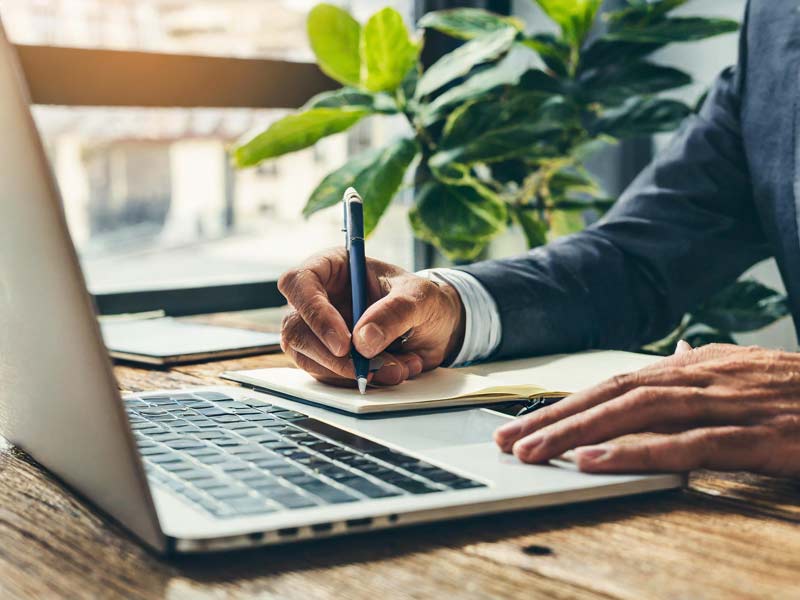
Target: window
point(150, 196)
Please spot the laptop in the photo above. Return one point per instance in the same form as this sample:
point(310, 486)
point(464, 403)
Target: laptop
point(218, 468)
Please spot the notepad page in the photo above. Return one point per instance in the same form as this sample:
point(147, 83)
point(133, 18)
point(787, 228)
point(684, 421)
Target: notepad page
point(438, 387)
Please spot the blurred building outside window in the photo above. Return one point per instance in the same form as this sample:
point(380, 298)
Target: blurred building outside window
point(150, 197)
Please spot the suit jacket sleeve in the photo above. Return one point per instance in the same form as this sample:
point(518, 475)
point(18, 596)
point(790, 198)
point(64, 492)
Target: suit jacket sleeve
point(684, 229)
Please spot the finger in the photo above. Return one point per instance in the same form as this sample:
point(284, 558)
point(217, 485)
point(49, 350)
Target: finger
point(721, 449)
point(297, 335)
point(640, 410)
point(683, 347)
point(397, 368)
point(384, 322)
point(305, 289)
point(319, 372)
point(509, 433)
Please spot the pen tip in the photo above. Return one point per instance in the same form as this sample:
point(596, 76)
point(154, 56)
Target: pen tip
point(362, 385)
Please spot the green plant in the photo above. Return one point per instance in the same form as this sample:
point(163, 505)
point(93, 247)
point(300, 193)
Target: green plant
point(499, 128)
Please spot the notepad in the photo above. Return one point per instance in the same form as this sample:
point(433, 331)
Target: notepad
point(441, 388)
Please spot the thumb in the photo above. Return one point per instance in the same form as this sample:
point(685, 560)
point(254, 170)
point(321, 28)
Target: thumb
point(383, 322)
point(683, 347)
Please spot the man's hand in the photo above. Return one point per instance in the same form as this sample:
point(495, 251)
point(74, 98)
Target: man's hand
point(719, 407)
point(316, 335)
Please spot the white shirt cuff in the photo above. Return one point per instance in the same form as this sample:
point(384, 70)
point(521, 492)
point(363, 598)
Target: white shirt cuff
point(483, 328)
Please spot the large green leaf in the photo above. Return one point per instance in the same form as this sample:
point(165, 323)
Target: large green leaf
point(531, 137)
point(603, 52)
point(642, 12)
point(678, 29)
point(461, 61)
point(376, 174)
point(335, 38)
point(296, 132)
point(742, 307)
point(552, 50)
point(352, 98)
point(457, 219)
point(575, 17)
point(641, 116)
point(533, 227)
point(467, 23)
point(506, 72)
point(387, 50)
point(617, 83)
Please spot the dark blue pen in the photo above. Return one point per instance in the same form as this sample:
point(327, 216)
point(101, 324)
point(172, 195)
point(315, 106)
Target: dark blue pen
point(354, 242)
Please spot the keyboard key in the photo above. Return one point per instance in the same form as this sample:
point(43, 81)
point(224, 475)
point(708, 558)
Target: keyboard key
point(295, 501)
point(249, 506)
point(226, 418)
point(328, 493)
point(168, 457)
point(464, 484)
point(368, 488)
point(212, 411)
point(228, 493)
point(212, 396)
point(413, 486)
point(185, 444)
point(212, 459)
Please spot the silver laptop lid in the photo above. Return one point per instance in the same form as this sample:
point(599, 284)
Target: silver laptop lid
point(58, 396)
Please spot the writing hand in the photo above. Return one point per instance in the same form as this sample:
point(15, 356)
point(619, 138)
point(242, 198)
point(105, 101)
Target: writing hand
point(316, 334)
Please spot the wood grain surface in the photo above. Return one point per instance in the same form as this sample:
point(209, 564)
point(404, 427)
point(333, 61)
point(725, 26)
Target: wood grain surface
point(725, 536)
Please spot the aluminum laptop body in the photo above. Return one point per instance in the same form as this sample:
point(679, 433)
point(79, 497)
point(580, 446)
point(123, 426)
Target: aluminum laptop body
point(60, 403)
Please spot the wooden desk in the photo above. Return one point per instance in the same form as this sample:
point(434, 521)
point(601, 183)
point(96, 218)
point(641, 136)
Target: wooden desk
point(727, 536)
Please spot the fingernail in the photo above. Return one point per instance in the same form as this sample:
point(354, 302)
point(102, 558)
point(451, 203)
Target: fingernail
point(510, 429)
point(334, 342)
point(373, 337)
point(683, 346)
point(392, 371)
point(376, 363)
point(524, 448)
point(415, 366)
point(593, 453)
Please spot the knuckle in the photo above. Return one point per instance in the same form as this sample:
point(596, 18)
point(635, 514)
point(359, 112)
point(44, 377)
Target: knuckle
point(403, 304)
point(642, 398)
point(621, 383)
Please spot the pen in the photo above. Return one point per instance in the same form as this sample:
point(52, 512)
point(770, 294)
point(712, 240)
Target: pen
point(354, 243)
point(539, 404)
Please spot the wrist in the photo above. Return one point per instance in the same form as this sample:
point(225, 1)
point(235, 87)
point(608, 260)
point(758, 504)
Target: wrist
point(458, 318)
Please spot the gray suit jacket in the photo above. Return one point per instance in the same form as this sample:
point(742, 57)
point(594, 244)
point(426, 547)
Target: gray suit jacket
point(722, 197)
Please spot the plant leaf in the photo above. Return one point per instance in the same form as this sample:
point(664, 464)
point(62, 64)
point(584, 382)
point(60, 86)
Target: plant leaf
point(459, 220)
point(335, 38)
point(678, 29)
point(296, 132)
point(460, 61)
point(535, 229)
point(506, 72)
point(554, 52)
point(742, 307)
point(566, 222)
point(467, 23)
point(352, 98)
point(533, 136)
point(641, 116)
point(387, 51)
point(376, 174)
point(616, 83)
point(575, 17)
point(603, 52)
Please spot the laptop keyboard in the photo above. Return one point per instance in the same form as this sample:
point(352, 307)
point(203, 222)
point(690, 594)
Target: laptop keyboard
point(241, 457)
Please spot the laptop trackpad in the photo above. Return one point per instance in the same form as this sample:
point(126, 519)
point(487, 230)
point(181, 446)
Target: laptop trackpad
point(437, 430)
